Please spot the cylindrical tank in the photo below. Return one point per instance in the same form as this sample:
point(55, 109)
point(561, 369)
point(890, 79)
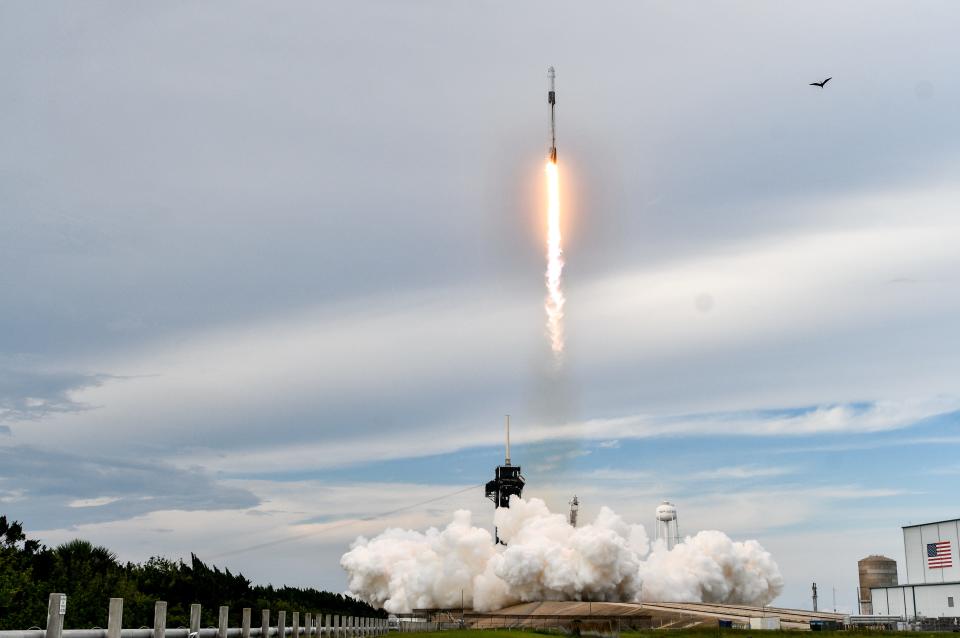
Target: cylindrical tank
point(875, 571)
point(666, 511)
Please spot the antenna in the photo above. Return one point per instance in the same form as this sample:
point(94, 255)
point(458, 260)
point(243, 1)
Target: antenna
point(507, 460)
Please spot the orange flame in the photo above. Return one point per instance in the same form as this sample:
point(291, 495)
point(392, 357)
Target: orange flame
point(555, 300)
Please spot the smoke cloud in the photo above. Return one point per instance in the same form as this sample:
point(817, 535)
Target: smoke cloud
point(547, 559)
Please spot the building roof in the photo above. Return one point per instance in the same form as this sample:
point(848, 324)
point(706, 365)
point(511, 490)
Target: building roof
point(949, 582)
point(949, 520)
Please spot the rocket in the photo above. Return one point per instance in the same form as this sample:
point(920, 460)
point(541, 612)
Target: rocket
point(552, 100)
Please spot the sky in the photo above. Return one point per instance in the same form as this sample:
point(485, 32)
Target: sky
point(274, 272)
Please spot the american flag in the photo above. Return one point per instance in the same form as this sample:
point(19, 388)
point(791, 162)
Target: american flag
point(939, 555)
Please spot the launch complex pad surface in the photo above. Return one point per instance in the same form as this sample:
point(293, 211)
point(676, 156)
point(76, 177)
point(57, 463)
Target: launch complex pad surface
point(625, 616)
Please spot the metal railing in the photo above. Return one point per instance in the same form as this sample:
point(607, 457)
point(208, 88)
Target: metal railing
point(314, 625)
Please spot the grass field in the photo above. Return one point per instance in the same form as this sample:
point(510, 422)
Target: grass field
point(677, 633)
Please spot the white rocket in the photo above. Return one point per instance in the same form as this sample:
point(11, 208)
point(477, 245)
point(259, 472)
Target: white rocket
point(552, 100)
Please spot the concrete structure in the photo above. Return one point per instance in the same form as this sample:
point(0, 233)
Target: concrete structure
point(875, 571)
point(613, 617)
point(932, 589)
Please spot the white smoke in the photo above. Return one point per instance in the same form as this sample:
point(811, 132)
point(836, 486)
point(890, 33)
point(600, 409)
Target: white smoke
point(547, 559)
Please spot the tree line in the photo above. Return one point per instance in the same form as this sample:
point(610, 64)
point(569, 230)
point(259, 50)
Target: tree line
point(90, 575)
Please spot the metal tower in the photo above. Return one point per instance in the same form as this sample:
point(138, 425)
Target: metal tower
point(574, 509)
point(668, 526)
point(507, 481)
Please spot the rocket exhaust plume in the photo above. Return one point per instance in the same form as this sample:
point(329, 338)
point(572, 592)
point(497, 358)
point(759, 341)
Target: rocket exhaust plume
point(555, 299)
point(546, 558)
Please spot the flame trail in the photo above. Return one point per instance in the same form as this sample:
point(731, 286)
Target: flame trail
point(555, 299)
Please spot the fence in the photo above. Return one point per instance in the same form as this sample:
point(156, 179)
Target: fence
point(316, 625)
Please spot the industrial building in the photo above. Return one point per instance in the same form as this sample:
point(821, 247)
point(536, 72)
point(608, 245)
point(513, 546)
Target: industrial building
point(932, 571)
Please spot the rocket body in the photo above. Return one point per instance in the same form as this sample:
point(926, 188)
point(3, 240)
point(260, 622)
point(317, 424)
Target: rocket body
point(552, 100)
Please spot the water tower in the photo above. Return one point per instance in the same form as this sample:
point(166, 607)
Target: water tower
point(875, 571)
point(668, 527)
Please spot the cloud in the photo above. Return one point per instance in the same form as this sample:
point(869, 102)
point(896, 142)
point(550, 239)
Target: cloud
point(741, 472)
point(610, 474)
point(261, 380)
point(59, 488)
point(945, 470)
point(29, 394)
point(552, 461)
point(93, 502)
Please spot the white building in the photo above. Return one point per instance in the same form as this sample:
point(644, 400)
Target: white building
point(932, 588)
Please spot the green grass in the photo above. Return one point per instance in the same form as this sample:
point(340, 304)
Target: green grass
point(702, 632)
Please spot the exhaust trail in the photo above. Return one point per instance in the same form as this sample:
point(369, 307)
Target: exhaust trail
point(554, 276)
point(555, 300)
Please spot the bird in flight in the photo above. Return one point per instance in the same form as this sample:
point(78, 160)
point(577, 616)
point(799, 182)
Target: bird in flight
point(820, 84)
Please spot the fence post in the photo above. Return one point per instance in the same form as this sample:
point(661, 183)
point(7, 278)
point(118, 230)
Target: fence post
point(294, 624)
point(56, 609)
point(281, 624)
point(224, 619)
point(265, 623)
point(195, 618)
point(307, 624)
point(159, 619)
point(245, 623)
point(327, 625)
point(334, 632)
point(115, 619)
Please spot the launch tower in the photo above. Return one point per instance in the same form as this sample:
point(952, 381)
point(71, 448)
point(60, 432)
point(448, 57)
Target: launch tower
point(507, 481)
